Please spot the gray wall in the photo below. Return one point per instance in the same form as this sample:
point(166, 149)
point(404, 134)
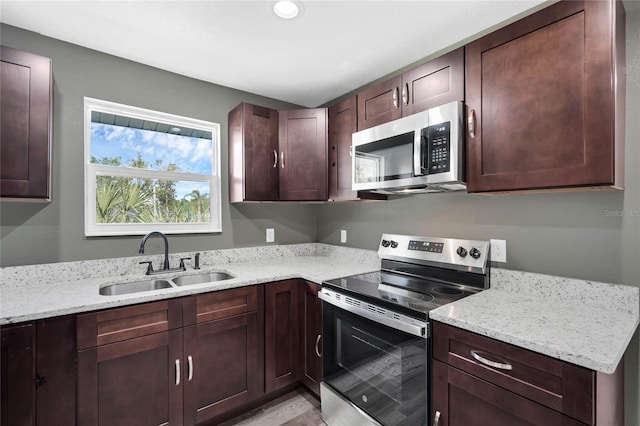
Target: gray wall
point(588, 235)
point(43, 233)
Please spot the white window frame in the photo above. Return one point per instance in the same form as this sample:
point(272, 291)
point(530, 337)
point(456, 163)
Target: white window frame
point(91, 171)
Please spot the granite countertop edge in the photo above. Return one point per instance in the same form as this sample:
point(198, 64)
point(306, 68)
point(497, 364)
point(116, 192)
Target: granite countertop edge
point(546, 326)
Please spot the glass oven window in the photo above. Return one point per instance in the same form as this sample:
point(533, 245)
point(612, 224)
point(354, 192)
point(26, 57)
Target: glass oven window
point(386, 159)
point(381, 370)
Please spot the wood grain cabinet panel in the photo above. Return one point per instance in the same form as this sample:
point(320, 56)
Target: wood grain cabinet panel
point(343, 122)
point(17, 375)
point(253, 154)
point(133, 382)
point(281, 334)
point(535, 390)
point(310, 349)
point(545, 97)
point(303, 155)
point(222, 366)
point(26, 135)
point(433, 83)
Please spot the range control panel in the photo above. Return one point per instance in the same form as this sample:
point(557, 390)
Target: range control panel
point(465, 255)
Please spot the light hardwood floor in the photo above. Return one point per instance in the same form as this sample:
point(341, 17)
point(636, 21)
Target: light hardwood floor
point(297, 408)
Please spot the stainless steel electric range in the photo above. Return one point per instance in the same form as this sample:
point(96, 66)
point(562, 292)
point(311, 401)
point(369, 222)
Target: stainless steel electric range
point(376, 333)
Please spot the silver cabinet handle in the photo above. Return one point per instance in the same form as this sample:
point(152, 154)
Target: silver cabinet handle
point(190, 361)
point(275, 159)
point(436, 418)
point(405, 94)
point(282, 159)
point(317, 343)
point(471, 123)
point(351, 151)
point(395, 97)
point(177, 372)
point(499, 365)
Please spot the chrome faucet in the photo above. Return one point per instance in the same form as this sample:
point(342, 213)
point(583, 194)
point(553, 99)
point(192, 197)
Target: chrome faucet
point(165, 266)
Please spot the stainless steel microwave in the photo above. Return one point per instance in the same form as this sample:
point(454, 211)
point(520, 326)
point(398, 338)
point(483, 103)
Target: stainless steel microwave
point(423, 152)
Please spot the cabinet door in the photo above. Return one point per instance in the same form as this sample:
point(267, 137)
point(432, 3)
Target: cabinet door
point(460, 399)
point(56, 368)
point(342, 124)
point(222, 366)
point(281, 334)
point(380, 103)
point(26, 83)
point(17, 376)
point(542, 96)
point(303, 155)
point(133, 382)
point(310, 336)
point(253, 154)
point(434, 83)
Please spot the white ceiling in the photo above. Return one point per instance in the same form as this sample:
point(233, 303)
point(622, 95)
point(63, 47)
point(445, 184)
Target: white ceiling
point(332, 48)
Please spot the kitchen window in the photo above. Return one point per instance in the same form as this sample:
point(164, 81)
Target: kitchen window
point(147, 170)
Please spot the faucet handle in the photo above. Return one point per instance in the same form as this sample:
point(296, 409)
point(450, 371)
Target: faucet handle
point(149, 267)
point(182, 259)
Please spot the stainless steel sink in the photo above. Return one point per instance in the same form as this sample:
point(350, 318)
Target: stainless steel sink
point(202, 278)
point(135, 287)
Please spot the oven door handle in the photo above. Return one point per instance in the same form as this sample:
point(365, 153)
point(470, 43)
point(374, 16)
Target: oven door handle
point(421, 330)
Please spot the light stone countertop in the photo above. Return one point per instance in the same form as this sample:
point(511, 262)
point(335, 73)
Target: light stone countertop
point(42, 291)
point(586, 323)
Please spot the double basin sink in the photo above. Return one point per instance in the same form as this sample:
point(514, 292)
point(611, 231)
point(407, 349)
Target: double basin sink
point(158, 284)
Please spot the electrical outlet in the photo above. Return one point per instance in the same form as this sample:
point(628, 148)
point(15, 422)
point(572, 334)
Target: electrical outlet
point(271, 235)
point(499, 250)
point(343, 236)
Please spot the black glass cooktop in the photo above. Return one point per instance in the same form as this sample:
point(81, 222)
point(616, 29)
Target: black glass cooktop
point(409, 294)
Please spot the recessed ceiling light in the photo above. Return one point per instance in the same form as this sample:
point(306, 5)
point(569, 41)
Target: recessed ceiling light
point(286, 9)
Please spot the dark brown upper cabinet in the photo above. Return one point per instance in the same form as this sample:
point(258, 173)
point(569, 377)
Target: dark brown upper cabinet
point(545, 98)
point(26, 82)
point(303, 155)
point(431, 84)
point(277, 155)
point(343, 122)
point(253, 154)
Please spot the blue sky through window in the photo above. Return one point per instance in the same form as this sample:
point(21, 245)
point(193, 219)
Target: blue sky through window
point(191, 155)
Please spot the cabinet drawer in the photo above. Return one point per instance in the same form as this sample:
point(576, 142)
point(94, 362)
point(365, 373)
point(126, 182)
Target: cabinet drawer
point(224, 304)
point(116, 325)
point(564, 387)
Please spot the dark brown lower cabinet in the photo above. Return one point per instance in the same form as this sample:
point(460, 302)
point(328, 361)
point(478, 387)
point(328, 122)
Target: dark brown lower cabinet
point(478, 381)
point(132, 382)
point(461, 399)
point(17, 375)
point(222, 366)
point(281, 334)
point(310, 349)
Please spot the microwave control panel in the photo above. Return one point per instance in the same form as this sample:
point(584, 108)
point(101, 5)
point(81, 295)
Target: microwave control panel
point(437, 141)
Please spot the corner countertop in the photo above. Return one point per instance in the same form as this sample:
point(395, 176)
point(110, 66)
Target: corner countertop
point(586, 323)
point(41, 291)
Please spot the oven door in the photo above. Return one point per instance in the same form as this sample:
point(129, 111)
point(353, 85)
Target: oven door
point(380, 369)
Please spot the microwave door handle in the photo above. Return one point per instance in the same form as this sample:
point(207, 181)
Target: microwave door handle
point(418, 154)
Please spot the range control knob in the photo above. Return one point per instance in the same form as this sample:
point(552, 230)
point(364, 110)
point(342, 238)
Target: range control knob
point(394, 244)
point(474, 252)
point(462, 252)
point(385, 243)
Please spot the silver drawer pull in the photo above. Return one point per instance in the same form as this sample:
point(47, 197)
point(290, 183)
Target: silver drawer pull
point(499, 365)
point(317, 343)
point(436, 419)
point(190, 359)
point(177, 372)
